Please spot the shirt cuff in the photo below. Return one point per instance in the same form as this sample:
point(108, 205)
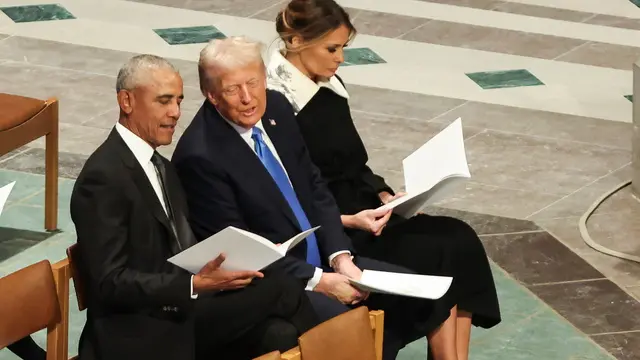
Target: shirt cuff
point(333, 256)
point(193, 295)
point(311, 284)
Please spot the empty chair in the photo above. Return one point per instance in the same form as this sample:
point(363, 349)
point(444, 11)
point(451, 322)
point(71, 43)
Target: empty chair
point(23, 120)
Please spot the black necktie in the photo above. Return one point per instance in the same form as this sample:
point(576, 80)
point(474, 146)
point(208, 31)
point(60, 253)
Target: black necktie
point(156, 160)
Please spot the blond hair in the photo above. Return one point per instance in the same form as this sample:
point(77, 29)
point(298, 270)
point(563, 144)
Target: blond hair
point(221, 55)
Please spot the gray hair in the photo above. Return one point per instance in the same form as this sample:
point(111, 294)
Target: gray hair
point(132, 71)
point(221, 55)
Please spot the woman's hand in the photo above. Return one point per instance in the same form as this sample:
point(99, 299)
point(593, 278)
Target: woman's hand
point(372, 220)
point(386, 197)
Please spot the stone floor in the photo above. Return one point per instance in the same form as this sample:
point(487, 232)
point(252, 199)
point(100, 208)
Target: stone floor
point(542, 92)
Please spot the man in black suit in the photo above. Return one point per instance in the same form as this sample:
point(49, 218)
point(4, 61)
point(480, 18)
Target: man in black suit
point(244, 163)
point(130, 215)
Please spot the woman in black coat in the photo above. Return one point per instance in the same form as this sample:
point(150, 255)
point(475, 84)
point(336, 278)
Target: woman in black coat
point(315, 33)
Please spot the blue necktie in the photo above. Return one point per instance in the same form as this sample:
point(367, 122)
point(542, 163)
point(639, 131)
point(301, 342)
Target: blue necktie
point(280, 177)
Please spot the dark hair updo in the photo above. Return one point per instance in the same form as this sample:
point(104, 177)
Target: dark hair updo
point(311, 20)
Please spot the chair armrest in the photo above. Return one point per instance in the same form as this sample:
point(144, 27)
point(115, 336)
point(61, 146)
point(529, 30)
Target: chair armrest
point(58, 336)
point(293, 354)
point(376, 317)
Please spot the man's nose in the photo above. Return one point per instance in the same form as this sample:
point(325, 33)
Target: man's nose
point(245, 95)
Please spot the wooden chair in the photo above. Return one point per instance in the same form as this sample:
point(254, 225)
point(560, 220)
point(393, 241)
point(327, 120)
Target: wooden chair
point(274, 355)
point(71, 273)
point(72, 258)
point(356, 334)
point(368, 324)
point(32, 303)
point(23, 120)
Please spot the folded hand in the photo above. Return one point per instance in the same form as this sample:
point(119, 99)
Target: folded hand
point(337, 286)
point(343, 264)
point(372, 220)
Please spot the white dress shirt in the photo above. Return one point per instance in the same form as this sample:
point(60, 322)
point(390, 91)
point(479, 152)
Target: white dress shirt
point(246, 136)
point(143, 153)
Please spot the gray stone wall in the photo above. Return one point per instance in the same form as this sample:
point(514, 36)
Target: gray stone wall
point(636, 130)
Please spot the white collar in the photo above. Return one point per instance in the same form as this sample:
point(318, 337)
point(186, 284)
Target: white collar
point(140, 149)
point(285, 78)
point(244, 132)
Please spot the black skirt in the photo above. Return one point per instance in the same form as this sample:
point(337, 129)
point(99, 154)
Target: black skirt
point(438, 245)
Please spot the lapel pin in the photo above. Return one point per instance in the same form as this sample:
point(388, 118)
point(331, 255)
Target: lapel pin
point(272, 122)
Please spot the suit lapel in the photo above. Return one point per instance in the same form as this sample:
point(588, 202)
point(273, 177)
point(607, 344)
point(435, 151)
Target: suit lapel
point(146, 189)
point(247, 161)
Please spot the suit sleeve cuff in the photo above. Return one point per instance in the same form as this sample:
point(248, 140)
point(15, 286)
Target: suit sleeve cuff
point(314, 280)
point(193, 295)
point(333, 256)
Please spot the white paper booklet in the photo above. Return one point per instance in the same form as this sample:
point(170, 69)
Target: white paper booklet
point(4, 194)
point(244, 250)
point(432, 171)
point(412, 285)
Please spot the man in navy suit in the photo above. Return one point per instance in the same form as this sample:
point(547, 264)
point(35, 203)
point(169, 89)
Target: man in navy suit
point(243, 163)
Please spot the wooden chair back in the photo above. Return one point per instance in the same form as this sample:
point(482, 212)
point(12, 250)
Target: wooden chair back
point(31, 301)
point(357, 334)
point(73, 255)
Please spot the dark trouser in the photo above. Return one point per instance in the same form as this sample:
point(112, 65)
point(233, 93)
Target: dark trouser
point(267, 315)
point(406, 319)
point(27, 349)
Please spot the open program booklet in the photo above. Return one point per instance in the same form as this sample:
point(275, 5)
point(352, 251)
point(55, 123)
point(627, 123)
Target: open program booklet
point(412, 285)
point(432, 171)
point(248, 251)
point(243, 250)
point(4, 194)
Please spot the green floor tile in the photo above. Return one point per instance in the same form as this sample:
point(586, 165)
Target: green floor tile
point(27, 185)
point(417, 350)
point(29, 217)
point(361, 56)
point(65, 188)
point(543, 336)
point(189, 35)
point(529, 330)
point(504, 79)
point(516, 302)
point(30, 13)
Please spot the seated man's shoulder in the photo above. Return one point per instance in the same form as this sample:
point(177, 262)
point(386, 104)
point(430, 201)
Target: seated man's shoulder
point(191, 148)
point(101, 166)
point(193, 141)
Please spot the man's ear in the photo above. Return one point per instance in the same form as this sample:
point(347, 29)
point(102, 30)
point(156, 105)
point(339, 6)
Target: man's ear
point(212, 99)
point(126, 101)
